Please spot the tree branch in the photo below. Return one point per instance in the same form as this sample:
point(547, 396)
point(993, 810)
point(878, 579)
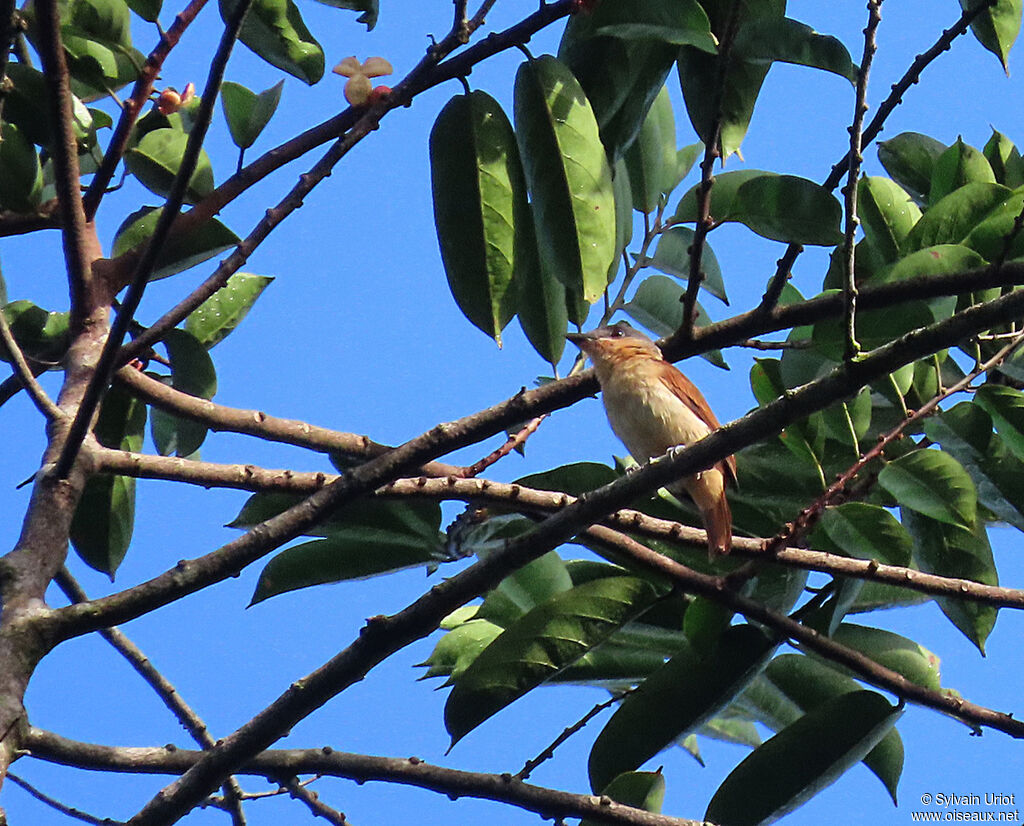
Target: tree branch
point(42, 402)
point(504, 788)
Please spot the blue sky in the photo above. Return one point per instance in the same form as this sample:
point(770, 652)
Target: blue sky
point(358, 332)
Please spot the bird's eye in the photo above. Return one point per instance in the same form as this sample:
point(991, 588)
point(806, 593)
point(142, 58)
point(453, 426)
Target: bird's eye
point(618, 332)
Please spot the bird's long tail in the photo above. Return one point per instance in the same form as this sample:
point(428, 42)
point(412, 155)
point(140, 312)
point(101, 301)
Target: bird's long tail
point(707, 490)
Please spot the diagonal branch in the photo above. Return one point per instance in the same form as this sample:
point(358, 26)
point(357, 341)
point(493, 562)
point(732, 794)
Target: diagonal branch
point(172, 206)
point(412, 771)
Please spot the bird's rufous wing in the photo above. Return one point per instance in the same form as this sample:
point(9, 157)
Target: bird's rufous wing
point(687, 392)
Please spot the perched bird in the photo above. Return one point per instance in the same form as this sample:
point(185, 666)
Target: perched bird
point(652, 407)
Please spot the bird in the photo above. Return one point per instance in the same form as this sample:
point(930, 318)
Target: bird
point(652, 408)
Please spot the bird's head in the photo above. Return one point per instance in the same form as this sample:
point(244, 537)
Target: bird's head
point(614, 344)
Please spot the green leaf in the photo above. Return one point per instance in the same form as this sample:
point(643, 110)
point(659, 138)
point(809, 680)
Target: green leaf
point(458, 648)
point(378, 537)
point(802, 759)
point(481, 209)
point(146, 9)
point(965, 431)
point(155, 161)
point(954, 551)
point(680, 23)
point(530, 586)
point(672, 257)
point(192, 372)
point(988, 235)
point(542, 305)
point(42, 336)
point(808, 683)
point(568, 176)
point(888, 213)
point(906, 657)
point(1006, 407)
point(651, 160)
point(369, 9)
point(623, 216)
point(676, 699)
point(641, 790)
point(779, 207)
point(910, 159)
point(246, 112)
point(932, 483)
point(958, 165)
point(805, 439)
point(101, 529)
point(575, 479)
point(274, 30)
point(21, 175)
point(950, 220)
point(179, 252)
point(545, 641)
point(1005, 160)
point(223, 311)
point(25, 106)
point(108, 20)
point(867, 531)
point(790, 41)
point(997, 27)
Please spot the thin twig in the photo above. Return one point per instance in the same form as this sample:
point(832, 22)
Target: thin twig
point(172, 205)
point(314, 803)
point(860, 107)
point(64, 809)
point(515, 441)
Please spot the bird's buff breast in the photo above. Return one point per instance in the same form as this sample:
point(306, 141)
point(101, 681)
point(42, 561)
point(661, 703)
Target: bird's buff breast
point(645, 414)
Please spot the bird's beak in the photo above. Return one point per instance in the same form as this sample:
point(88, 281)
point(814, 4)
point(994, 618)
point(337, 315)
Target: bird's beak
point(578, 338)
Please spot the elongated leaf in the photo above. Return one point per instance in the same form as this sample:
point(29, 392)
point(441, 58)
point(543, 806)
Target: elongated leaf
point(101, 529)
point(802, 759)
point(21, 175)
point(953, 551)
point(1005, 160)
point(932, 483)
point(42, 336)
point(545, 641)
point(676, 699)
point(779, 207)
point(530, 586)
point(951, 220)
point(960, 164)
point(378, 540)
point(480, 208)
point(867, 532)
point(458, 648)
point(790, 41)
point(568, 176)
point(155, 161)
point(988, 236)
point(247, 113)
point(672, 257)
point(274, 30)
point(910, 159)
point(180, 252)
point(641, 790)
point(808, 683)
point(542, 305)
point(223, 311)
point(623, 216)
point(906, 657)
point(681, 23)
point(651, 160)
point(146, 9)
point(192, 372)
point(369, 8)
point(997, 27)
point(1006, 407)
point(888, 213)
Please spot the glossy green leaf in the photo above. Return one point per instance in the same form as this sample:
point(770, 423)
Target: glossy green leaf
point(192, 372)
point(623, 216)
point(378, 539)
point(21, 175)
point(568, 176)
point(575, 479)
point(1006, 407)
point(672, 257)
point(954, 551)
point(155, 161)
point(988, 235)
point(480, 209)
point(958, 165)
point(223, 311)
point(179, 252)
point(867, 531)
point(805, 439)
point(790, 41)
point(997, 27)
point(677, 698)
point(25, 106)
point(906, 657)
point(732, 730)
point(651, 160)
point(42, 336)
point(932, 483)
point(807, 683)
point(802, 759)
point(965, 431)
point(950, 220)
point(101, 529)
point(369, 8)
point(524, 590)
point(779, 207)
point(910, 159)
point(458, 648)
point(888, 213)
point(641, 790)
point(146, 9)
point(545, 641)
point(1005, 160)
point(620, 77)
point(541, 306)
point(275, 30)
point(681, 23)
point(247, 112)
